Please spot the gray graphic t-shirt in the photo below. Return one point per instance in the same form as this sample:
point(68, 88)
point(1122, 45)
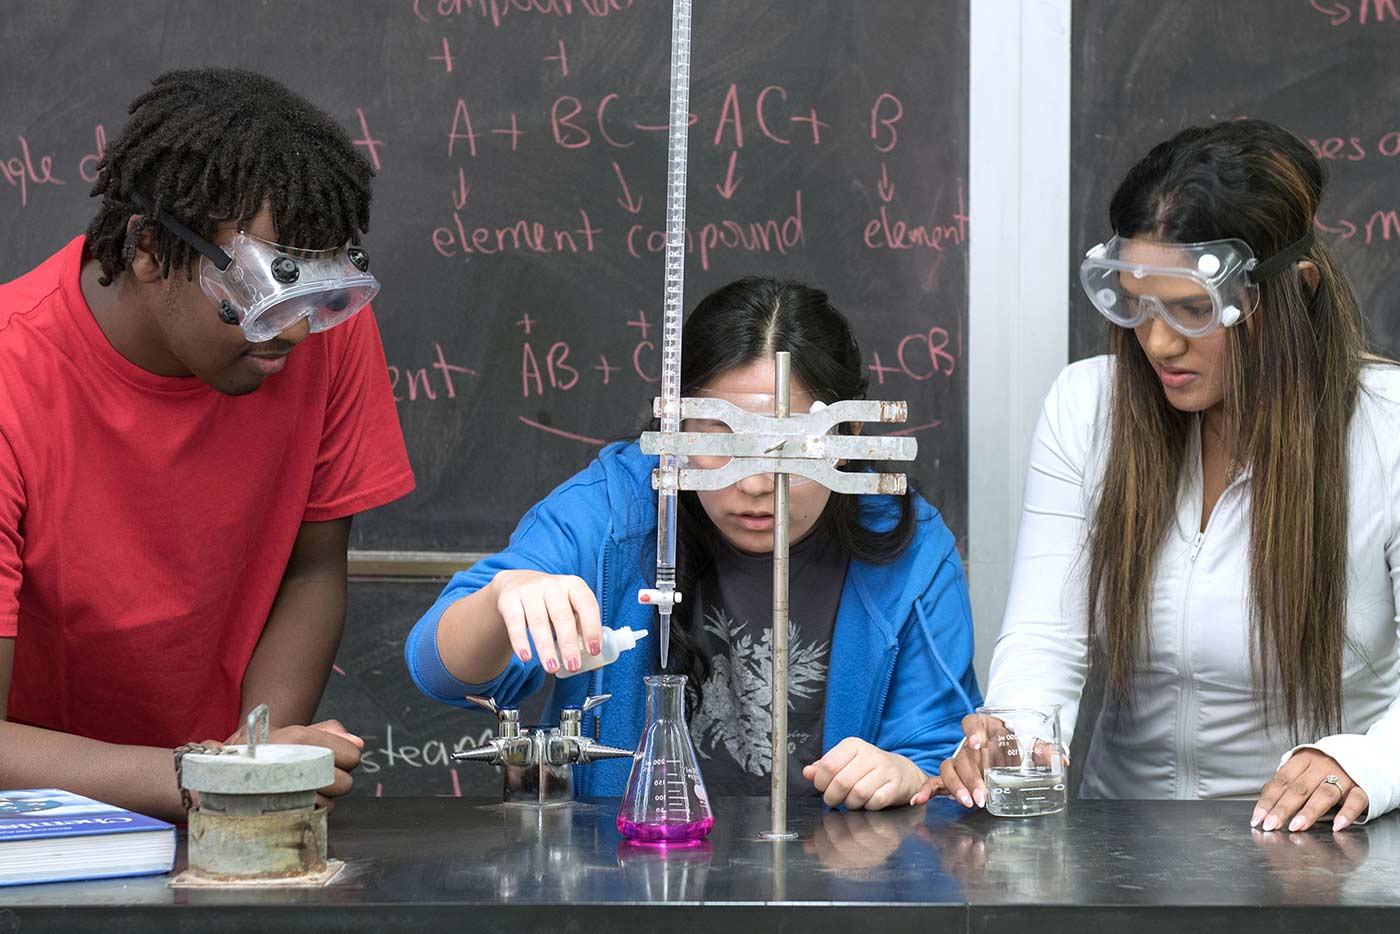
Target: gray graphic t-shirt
point(732, 728)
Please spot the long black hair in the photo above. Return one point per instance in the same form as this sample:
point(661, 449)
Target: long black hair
point(216, 144)
point(734, 326)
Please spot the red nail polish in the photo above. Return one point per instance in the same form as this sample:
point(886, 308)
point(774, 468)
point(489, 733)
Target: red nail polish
point(551, 665)
point(524, 655)
point(595, 647)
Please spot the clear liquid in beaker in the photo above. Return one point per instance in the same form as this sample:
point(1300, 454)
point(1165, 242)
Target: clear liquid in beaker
point(1024, 792)
point(665, 802)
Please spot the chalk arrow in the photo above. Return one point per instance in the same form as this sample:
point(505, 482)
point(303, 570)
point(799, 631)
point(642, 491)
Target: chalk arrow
point(886, 187)
point(630, 206)
point(459, 197)
point(1339, 14)
point(726, 191)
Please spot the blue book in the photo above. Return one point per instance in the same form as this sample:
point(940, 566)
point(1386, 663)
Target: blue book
point(48, 835)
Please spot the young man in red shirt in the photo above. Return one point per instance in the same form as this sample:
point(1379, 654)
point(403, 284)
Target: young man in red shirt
point(180, 455)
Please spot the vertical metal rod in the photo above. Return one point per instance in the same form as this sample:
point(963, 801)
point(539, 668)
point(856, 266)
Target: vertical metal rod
point(782, 403)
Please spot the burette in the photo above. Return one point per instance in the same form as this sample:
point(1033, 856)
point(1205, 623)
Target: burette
point(664, 595)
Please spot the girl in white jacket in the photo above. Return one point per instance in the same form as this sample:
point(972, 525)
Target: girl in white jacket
point(1212, 512)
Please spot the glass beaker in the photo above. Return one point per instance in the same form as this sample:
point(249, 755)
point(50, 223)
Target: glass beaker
point(1023, 761)
point(665, 802)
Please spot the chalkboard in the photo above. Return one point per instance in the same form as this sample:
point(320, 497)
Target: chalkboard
point(519, 206)
point(408, 737)
point(1325, 69)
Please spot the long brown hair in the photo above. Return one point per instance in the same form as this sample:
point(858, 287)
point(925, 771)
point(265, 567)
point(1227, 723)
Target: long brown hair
point(1291, 383)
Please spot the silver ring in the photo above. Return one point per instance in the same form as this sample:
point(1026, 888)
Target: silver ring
point(1333, 780)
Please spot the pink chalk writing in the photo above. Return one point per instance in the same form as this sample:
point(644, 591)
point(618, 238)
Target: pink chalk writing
point(762, 120)
point(19, 171)
point(1381, 226)
point(603, 367)
point(445, 57)
point(603, 128)
point(562, 376)
point(459, 197)
point(732, 116)
point(885, 186)
point(881, 233)
point(754, 236)
point(730, 185)
point(918, 357)
point(87, 166)
point(558, 432)
point(419, 383)
point(567, 133)
point(517, 236)
point(514, 132)
point(1365, 11)
point(729, 113)
point(630, 205)
point(562, 58)
point(1335, 147)
point(461, 120)
point(575, 123)
point(812, 121)
point(366, 140)
point(883, 116)
point(496, 12)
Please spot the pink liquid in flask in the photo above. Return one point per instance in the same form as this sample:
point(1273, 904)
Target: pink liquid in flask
point(687, 832)
point(665, 803)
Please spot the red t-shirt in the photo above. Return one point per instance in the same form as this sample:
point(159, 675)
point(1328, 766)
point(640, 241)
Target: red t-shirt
point(146, 521)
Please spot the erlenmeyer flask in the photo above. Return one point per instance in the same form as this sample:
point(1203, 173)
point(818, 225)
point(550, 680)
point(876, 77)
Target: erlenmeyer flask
point(665, 800)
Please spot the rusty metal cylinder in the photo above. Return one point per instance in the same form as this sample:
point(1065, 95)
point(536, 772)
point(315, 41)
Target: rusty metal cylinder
point(257, 816)
point(279, 845)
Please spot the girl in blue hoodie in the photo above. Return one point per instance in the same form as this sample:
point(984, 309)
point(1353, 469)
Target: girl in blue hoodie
point(880, 645)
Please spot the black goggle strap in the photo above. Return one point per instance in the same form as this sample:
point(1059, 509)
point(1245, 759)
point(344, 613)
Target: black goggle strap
point(209, 250)
point(1282, 259)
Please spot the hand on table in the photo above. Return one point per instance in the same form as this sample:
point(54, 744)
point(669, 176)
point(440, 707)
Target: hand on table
point(859, 775)
point(1299, 794)
point(960, 776)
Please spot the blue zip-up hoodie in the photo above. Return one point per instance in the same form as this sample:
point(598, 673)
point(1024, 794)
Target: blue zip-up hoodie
point(901, 673)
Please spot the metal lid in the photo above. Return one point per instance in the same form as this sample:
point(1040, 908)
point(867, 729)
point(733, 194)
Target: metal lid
point(272, 769)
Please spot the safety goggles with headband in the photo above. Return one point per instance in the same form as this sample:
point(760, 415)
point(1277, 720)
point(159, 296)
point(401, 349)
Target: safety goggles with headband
point(266, 287)
point(1196, 288)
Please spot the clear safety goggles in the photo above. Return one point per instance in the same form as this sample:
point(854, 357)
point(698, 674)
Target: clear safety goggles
point(266, 287)
point(759, 403)
point(1196, 288)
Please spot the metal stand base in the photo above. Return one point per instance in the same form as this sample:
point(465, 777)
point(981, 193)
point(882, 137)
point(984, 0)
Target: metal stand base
point(189, 879)
point(777, 837)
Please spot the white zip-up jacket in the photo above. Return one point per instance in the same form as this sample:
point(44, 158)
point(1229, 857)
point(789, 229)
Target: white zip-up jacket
point(1195, 727)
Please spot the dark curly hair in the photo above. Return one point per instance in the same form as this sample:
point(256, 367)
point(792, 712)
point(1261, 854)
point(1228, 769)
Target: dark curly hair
point(217, 144)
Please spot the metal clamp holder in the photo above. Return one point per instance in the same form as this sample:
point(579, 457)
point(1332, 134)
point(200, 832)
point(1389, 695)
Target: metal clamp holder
point(785, 445)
